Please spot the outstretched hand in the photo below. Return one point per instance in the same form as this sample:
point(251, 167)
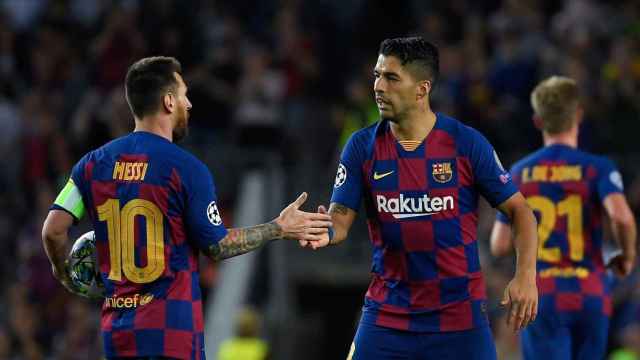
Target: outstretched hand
point(303, 226)
point(521, 300)
point(324, 237)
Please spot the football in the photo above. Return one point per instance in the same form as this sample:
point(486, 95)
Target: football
point(83, 267)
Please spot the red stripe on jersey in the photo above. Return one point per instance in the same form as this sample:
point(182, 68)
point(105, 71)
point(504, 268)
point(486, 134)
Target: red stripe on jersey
point(181, 287)
point(124, 339)
point(198, 321)
point(465, 172)
point(393, 316)
point(546, 285)
point(106, 320)
point(417, 235)
point(177, 343)
point(133, 157)
point(477, 288)
point(452, 262)
point(377, 290)
point(395, 264)
point(102, 191)
point(469, 227)
point(607, 306)
point(425, 294)
point(592, 285)
point(412, 174)
point(158, 195)
point(456, 316)
point(440, 144)
point(374, 232)
point(175, 183)
point(151, 315)
point(451, 213)
point(568, 302)
point(385, 148)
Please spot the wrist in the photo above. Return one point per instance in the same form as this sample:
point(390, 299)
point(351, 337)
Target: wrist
point(279, 231)
point(529, 272)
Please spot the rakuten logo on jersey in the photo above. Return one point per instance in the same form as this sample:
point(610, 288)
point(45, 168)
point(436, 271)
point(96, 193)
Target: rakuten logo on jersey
point(410, 207)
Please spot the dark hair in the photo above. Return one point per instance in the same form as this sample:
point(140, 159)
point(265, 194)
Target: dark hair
point(147, 81)
point(419, 55)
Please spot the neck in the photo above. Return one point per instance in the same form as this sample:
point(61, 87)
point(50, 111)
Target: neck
point(569, 138)
point(415, 126)
point(155, 125)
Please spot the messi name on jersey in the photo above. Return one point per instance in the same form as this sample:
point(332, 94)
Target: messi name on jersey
point(129, 171)
point(408, 206)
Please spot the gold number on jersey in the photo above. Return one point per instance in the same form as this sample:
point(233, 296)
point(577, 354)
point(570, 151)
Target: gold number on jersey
point(121, 233)
point(571, 206)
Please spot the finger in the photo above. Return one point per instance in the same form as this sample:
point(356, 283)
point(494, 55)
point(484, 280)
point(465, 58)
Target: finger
point(319, 224)
point(526, 317)
point(311, 238)
point(300, 200)
point(317, 230)
point(523, 314)
point(505, 297)
point(535, 310)
point(513, 314)
point(322, 209)
point(303, 243)
point(517, 311)
point(316, 216)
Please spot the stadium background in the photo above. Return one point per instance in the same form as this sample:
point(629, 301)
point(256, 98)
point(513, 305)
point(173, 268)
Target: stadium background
point(276, 88)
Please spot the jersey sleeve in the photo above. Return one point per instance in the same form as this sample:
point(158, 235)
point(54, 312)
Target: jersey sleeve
point(609, 180)
point(493, 182)
point(203, 219)
point(70, 198)
point(347, 188)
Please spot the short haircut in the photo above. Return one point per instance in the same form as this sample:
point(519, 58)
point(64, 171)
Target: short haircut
point(147, 81)
point(555, 101)
point(418, 55)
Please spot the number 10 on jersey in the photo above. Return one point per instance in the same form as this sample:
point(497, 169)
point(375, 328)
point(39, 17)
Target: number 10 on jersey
point(121, 233)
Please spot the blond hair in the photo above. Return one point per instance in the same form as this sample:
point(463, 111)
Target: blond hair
point(555, 101)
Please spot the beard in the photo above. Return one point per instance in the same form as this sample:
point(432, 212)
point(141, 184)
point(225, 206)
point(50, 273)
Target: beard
point(181, 130)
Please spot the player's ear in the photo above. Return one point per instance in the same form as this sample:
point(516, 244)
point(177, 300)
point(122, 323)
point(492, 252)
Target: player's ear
point(169, 102)
point(537, 122)
point(424, 88)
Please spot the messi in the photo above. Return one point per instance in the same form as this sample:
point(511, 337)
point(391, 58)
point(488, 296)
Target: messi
point(404, 207)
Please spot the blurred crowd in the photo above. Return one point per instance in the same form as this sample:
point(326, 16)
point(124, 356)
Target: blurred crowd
point(293, 79)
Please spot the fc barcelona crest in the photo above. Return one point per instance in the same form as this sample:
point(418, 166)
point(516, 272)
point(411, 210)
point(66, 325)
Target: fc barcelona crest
point(442, 172)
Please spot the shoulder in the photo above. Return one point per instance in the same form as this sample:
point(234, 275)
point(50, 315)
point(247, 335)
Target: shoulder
point(361, 142)
point(367, 134)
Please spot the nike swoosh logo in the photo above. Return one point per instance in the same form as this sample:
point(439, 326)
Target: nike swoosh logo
point(377, 176)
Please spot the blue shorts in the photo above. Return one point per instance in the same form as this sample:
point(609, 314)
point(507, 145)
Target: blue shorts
point(578, 335)
point(379, 343)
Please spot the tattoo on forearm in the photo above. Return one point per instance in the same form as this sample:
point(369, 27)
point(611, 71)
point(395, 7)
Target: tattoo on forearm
point(338, 209)
point(242, 240)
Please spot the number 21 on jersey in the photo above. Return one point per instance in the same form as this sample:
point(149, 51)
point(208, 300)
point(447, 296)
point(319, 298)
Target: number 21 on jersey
point(549, 212)
point(121, 233)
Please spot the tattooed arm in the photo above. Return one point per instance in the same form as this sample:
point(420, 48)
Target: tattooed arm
point(242, 240)
point(292, 223)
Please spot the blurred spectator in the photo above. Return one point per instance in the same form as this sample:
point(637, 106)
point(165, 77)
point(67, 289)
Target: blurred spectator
point(246, 343)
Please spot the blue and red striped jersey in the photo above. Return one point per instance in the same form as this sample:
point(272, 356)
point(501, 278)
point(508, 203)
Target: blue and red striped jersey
point(566, 188)
point(422, 214)
point(153, 207)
